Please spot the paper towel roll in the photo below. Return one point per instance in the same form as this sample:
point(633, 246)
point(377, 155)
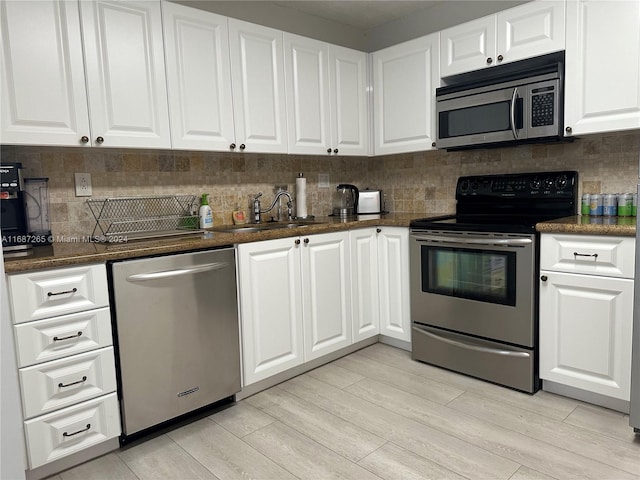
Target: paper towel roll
point(301, 196)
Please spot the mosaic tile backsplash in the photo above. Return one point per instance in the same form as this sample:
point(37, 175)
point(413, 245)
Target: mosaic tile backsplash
point(422, 182)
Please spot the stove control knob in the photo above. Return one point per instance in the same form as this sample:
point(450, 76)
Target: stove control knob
point(464, 185)
point(475, 185)
point(548, 182)
point(561, 182)
point(535, 183)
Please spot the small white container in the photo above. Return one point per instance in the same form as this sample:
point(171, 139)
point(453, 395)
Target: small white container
point(206, 215)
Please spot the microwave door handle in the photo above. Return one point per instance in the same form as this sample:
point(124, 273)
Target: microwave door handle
point(514, 97)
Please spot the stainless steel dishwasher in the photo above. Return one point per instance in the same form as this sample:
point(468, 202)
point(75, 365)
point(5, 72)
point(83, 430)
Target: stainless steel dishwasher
point(176, 325)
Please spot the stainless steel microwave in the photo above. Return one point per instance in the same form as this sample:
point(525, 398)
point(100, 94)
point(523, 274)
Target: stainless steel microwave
point(520, 102)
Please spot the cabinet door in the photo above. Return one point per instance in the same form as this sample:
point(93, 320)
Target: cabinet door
point(349, 102)
point(405, 81)
point(393, 258)
point(585, 332)
point(364, 283)
point(307, 82)
point(126, 80)
point(271, 307)
point(602, 90)
point(467, 47)
point(529, 30)
point(198, 78)
point(44, 100)
point(257, 76)
point(326, 293)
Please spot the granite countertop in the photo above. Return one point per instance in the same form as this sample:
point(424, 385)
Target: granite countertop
point(74, 251)
point(590, 225)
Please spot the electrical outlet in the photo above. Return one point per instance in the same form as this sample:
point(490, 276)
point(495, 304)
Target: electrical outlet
point(83, 184)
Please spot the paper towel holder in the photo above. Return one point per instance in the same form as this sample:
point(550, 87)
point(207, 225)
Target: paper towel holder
point(301, 198)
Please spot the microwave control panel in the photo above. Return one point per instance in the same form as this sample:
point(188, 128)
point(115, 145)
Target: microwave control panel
point(542, 106)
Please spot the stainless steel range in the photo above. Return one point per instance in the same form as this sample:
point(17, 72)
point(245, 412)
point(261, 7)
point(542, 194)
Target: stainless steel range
point(474, 288)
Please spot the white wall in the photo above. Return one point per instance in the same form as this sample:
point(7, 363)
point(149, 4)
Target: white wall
point(12, 453)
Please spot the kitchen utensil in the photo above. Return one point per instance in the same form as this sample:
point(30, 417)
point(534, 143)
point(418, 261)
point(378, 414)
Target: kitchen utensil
point(345, 200)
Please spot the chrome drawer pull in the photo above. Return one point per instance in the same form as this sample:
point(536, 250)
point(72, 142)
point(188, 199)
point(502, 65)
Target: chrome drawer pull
point(62, 385)
point(58, 339)
point(594, 255)
point(53, 294)
point(65, 434)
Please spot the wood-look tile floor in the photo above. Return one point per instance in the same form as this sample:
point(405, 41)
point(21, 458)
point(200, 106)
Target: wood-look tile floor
point(376, 414)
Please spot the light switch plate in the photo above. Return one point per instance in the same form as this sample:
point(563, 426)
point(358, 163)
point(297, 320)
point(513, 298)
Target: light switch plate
point(323, 180)
point(83, 184)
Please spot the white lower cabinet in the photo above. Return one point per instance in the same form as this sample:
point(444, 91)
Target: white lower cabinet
point(380, 282)
point(72, 429)
point(295, 301)
point(66, 361)
point(586, 319)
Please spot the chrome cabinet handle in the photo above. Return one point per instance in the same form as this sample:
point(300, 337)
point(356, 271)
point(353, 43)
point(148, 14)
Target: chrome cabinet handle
point(568, 129)
point(544, 278)
point(500, 58)
point(100, 140)
point(66, 292)
point(66, 434)
point(489, 61)
point(306, 240)
point(335, 150)
point(59, 339)
point(297, 242)
point(62, 385)
point(84, 139)
point(378, 230)
point(576, 254)
point(242, 146)
point(232, 146)
point(328, 150)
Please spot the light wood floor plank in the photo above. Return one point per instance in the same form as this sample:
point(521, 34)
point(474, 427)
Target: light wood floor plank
point(513, 445)
point(436, 391)
point(304, 457)
point(553, 406)
point(107, 467)
point(602, 420)
point(609, 451)
point(392, 462)
point(242, 419)
point(526, 473)
point(435, 445)
point(224, 454)
point(341, 436)
point(160, 457)
point(335, 375)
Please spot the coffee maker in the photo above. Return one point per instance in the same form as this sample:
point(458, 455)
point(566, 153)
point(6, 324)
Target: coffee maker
point(13, 218)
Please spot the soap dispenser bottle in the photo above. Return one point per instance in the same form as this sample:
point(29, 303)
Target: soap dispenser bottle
point(206, 215)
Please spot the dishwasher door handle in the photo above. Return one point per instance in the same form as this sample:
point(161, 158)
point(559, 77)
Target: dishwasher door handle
point(144, 277)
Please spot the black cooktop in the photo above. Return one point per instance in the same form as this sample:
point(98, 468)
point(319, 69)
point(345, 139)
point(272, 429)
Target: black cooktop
point(508, 203)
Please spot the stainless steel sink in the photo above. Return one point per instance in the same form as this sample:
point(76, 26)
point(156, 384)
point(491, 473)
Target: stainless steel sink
point(260, 227)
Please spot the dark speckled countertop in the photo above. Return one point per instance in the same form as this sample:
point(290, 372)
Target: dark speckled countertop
point(67, 253)
point(588, 225)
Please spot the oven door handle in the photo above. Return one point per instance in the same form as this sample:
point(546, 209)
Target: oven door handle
point(493, 351)
point(508, 242)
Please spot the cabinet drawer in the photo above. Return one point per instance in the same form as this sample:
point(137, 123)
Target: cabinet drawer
point(45, 340)
point(61, 383)
point(72, 429)
point(49, 293)
point(588, 254)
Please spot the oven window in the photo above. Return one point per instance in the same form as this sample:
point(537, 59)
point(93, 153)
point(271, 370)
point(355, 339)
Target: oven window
point(484, 275)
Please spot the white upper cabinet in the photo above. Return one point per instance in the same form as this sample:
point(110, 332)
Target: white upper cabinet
point(405, 81)
point(126, 82)
point(44, 98)
point(257, 72)
point(307, 81)
point(529, 30)
point(198, 78)
point(326, 88)
point(602, 90)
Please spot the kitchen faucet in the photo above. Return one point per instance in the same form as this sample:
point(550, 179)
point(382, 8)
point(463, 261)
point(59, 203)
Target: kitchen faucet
point(256, 205)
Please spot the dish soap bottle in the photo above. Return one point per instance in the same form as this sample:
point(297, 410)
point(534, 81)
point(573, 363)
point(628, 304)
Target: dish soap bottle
point(206, 215)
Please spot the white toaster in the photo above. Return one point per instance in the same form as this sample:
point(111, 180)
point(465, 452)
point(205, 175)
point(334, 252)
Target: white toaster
point(370, 201)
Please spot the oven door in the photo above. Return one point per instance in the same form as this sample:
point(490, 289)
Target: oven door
point(474, 283)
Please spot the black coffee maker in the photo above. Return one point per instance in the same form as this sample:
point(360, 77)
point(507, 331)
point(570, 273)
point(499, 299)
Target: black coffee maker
point(13, 218)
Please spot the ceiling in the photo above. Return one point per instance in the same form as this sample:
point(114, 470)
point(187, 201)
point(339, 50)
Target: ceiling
point(360, 14)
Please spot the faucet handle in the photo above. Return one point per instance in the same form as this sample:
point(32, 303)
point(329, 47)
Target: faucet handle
point(257, 196)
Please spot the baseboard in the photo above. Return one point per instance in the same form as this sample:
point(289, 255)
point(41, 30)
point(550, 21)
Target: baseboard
point(394, 342)
point(585, 396)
